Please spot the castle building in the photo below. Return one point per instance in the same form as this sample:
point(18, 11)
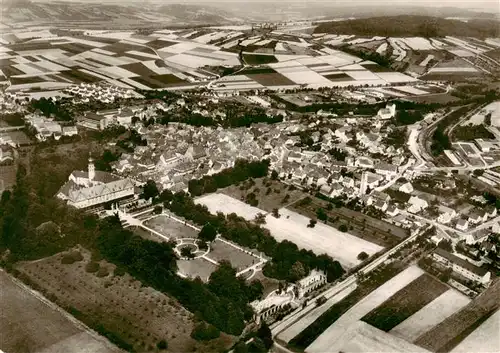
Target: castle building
point(85, 189)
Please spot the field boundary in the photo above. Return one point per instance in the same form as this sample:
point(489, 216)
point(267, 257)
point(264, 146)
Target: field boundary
point(38, 295)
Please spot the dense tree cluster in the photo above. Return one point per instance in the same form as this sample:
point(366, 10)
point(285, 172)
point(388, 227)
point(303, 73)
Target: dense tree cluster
point(103, 163)
point(241, 171)
point(235, 117)
point(407, 117)
point(205, 332)
point(50, 108)
point(396, 137)
point(440, 139)
point(411, 26)
point(338, 154)
point(472, 132)
point(130, 140)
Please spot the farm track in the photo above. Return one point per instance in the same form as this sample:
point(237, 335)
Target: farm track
point(449, 333)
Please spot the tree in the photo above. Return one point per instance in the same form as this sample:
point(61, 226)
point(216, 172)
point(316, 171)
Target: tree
point(445, 244)
point(298, 271)
point(92, 267)
point(187, 252)
point(204, 332)
point(257, 346)
point(343, 228)
point(166, 195)
point(260, 218)
point(135, 120)
point(264, 333)
point(487, 119)
point(312, 223)
point(275, 213)
point(362, 256)
point(478, 172)
point(240, 347)
point(321, 214)
point(150, 190)
point(202, 245)
point(305, 201)
point(208, 233)
point(274, 175)
point(162, 345)
point(158, 209)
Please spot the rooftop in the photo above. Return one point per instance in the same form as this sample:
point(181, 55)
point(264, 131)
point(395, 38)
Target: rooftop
point(461, 262)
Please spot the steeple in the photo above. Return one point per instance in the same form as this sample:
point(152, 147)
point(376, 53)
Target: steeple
point(91, 168)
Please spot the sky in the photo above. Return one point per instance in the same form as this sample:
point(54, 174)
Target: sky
point(489, 5)
point(492, 5)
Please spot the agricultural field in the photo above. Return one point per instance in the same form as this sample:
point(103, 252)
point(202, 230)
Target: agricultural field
point(139, 317)
point(293, 227)
point(479, 117)
point(361, 337)
point(119, 58)
point(30, 323)
point(430, 315)
point(329, 340)
point(405, 303)
point(486, 338)
point(182, 59)
point(417, 55)
point(333, 69)
point(434, 98)
point(456, 328)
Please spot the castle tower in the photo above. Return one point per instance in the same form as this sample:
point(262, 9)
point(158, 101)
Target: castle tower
point(91, 169)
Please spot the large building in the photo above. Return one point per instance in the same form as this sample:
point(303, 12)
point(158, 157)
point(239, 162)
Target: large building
point(463, 267)
point(92, 188)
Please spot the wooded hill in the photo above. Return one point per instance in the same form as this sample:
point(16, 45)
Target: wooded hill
point(411, 26)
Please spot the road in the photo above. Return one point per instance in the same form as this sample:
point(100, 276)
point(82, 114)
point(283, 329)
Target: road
point(399, 175)
point(446, 228)
point(300, 313)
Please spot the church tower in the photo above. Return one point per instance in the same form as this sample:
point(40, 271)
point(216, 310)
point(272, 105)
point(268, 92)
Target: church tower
point(91, 169)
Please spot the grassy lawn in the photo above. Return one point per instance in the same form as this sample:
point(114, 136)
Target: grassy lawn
point(240, 260)
point(170, 228)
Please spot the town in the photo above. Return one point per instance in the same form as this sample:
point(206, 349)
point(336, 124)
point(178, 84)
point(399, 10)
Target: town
point(242, 188)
